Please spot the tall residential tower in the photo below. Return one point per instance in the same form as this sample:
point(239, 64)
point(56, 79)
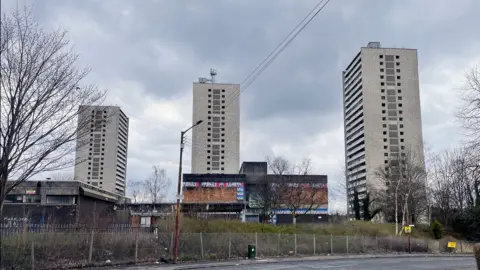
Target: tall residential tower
point(216, 142)
point(103, 155)
point(382, 115)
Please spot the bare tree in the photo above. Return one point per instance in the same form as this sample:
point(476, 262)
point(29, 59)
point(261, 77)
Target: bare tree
point(135, 188)
point(279, 165)
point(294, 187)
point(441, 179)
point(41, 91)
point(267, 194)
point(338, 190)
point(403, 186)
point(455, 182)
point(469, 112)
point(156, 186)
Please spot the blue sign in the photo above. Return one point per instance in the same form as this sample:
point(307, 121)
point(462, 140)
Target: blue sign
point(272, 220)
point(240, 193)
point(318, 211)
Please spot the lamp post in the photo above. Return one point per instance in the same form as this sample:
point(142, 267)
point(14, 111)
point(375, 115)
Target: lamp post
point(179, 192)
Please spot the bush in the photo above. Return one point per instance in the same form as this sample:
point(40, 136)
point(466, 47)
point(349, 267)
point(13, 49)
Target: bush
point(467, 224)
point(437, 229)
point(476, 249)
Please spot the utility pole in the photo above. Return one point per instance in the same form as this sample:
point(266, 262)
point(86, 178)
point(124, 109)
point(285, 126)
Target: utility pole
point(179, 192)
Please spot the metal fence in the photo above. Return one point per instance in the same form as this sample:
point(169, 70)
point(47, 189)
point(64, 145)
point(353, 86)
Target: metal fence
point(47, 250)
point(13, 229)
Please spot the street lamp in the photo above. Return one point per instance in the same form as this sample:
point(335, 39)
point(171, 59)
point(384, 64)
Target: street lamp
point(179, 191)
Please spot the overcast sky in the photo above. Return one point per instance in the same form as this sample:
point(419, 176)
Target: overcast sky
point(148, 53)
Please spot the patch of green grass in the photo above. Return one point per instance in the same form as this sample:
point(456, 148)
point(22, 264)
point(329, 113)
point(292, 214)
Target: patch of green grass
point(351, 228)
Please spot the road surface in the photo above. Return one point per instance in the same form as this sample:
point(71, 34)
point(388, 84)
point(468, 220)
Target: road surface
point(400, 263)
point(368, 264)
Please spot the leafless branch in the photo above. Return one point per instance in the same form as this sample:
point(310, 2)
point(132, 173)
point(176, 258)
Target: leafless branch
point(41, 91)
point(403, 188)
point(293, 187)
point(469, 111)
point(135, 188)
point(156, 185)
point(455, 182)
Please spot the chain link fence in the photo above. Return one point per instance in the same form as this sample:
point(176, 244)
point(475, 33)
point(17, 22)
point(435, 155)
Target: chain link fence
point(47, 250)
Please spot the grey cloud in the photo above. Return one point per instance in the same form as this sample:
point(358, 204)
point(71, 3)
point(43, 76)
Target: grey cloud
point(237, 36)
point(297, 98)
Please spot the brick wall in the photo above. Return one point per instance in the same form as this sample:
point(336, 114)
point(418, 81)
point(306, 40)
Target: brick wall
point(210, 195)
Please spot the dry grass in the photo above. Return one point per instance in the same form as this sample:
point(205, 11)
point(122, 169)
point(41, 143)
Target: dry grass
point(477, 254)
point(233, 226)
point(203, 240)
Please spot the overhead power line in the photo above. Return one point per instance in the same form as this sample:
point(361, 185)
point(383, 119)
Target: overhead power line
point(276, 52)
point(260, 68)
point(279, 49)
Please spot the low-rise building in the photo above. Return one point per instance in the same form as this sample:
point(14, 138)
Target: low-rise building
point(60, 202)
point(239, 195)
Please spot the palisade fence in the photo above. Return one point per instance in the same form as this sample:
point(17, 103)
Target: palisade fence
point(50, 248)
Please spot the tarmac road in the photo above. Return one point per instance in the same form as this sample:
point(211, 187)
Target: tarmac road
point(368, 264)
point(389, 263)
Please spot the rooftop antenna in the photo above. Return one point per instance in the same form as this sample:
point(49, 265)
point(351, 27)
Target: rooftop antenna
point(213, 73)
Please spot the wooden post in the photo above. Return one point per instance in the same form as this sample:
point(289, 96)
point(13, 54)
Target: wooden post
point(229, 246)
point(256, 244)
point(90, 251)
point(171, 244)
point(33, 255)
point(278, 244)
point(409, 243)
point(331, 244)
point(363, 243)
point(347, 244)
point(136, 247)
point(295, 242)
point(314, 245)
point(201, 245)
point(391, 243)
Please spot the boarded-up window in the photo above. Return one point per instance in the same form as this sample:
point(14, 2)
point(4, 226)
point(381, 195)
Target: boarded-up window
point(392, 106)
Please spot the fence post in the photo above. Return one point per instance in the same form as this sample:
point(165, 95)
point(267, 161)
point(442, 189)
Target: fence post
point(278, 244)
point(33, 255)
point(295, 242)
point(171, 244)
point(376, 242)
point(229, 246)
point(90, 251)
point(331, 244)
point(201, 244)
point(363, 243)
point(314, 245)
point(391, 242)
point(347, 244)
point(136, 247)
point(256, 242)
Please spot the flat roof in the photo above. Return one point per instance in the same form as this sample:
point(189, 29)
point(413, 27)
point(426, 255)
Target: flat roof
point(210, 83)
point(213, 177)
point(89, 190)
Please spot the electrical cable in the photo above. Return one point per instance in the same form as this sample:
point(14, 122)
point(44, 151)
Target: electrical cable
point(276, 52)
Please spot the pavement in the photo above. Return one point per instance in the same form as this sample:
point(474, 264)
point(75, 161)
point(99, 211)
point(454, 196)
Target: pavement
point(359, 262)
